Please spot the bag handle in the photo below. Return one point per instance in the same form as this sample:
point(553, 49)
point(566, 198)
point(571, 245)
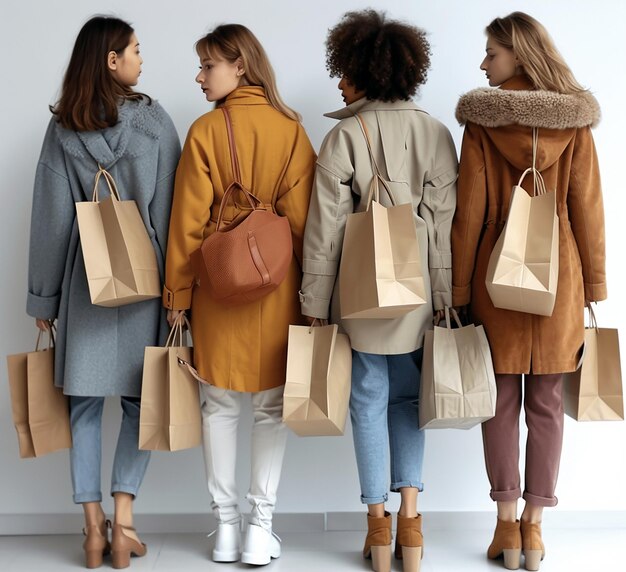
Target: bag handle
point(115, 195)
point(253, 201)
point(592, 317)
point(51, 332)
point(539, 186)
point(451, 311)
point(373, 193)
point(177, 331)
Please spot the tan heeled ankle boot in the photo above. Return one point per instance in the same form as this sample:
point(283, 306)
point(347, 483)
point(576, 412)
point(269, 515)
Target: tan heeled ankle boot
point(532, 545)
point(96, 543)
point(410, 542)
point(122, 547)
point(378, 542)
point(507, 542)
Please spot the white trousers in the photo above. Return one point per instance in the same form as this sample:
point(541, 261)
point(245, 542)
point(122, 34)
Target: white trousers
point(221, 411)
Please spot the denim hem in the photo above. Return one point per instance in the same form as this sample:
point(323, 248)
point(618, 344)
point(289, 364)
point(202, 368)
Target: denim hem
point(395, 487)
point(87, 497)
point(123, 488)
point(505, 496)
point(374, 500)
point(540, 501)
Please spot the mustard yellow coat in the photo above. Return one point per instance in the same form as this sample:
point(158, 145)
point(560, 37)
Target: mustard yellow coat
point(244, 347)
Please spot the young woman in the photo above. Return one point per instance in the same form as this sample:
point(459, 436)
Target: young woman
point(381, 64)
point(240, 349)
point(536, 90)
point(100, 120)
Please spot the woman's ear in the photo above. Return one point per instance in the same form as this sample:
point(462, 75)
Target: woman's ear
point(240, 69)
point(112, 60)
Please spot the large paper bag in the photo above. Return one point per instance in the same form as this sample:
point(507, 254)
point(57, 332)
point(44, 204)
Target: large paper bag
point(523, 269)
point(317, 388)
point(380, 274)
point(594, 391)
point(170, 401)
point(458, 384)
point(120, 261)
point(40, 410)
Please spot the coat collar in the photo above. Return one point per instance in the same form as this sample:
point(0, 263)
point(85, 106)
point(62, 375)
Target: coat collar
point(516, 103)
point(247, 95)
point(365, 104)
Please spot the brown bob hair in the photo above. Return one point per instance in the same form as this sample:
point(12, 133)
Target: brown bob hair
point(90, 94)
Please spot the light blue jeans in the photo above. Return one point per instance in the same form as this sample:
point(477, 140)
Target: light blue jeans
point(383, 409)
point(129, 465)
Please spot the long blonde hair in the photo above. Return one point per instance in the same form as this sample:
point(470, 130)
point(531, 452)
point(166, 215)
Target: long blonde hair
point(233, 41)
point(534, 48)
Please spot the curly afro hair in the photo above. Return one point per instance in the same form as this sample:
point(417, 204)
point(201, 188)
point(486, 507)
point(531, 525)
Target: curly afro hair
point(387, 59)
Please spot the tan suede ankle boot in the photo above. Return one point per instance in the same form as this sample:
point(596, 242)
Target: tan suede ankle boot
point(378, 542)
point(532, 545)
point(507, 542)
point(409, 542)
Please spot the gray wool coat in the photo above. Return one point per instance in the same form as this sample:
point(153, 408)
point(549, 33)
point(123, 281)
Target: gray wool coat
point(99, 351)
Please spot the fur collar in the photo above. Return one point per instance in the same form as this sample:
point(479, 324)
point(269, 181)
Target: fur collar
point(497, 107)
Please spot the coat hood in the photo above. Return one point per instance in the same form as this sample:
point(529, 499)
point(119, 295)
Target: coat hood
point(139, 123)
point(509, 113)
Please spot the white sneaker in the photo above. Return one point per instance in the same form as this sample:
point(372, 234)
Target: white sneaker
point(227, 543)
point(260, 547)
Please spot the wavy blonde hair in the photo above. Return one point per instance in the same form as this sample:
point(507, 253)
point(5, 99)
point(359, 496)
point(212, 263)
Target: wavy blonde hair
point(233, 41)
point(533, 46)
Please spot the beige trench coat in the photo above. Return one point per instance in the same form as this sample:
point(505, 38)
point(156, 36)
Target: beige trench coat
point(419, 152)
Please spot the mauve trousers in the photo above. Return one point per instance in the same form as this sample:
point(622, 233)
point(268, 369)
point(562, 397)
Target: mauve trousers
point(543, 406)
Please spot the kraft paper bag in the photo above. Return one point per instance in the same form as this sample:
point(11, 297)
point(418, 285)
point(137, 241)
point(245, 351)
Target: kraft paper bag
point(458, 384)
point(523, 269)
point(170, 417)
point(380, 274)
point(40, 410)
point(317, 388)
point(594, 391)
point(120, 261)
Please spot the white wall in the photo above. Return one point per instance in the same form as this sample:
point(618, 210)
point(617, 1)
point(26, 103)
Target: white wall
point(319, 474)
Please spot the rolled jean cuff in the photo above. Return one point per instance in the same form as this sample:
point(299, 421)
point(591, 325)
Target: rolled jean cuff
point(123, 488)
point(395, 487)
point(506, 496)
point(87, 497)
point(540, 501)
point(374, 500)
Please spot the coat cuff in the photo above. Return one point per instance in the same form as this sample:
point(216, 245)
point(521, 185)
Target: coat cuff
point(44, 307)
point(595, 292)
point(441, 300)
point(313, 307)
point(320, 267)
point(180, 300)
point(461, 295)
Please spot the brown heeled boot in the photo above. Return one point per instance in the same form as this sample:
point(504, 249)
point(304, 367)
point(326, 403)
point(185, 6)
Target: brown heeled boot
point(122, 547)
point(96, 543)
point(532, 545)
point(378, 542)
point(410, 542)
point(507, 542)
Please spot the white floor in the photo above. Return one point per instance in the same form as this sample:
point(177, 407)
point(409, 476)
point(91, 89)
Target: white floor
point(447, 550)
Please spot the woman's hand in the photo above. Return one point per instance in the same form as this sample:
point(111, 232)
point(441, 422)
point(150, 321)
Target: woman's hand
point(172, 315)
point(438, 316)
point(43, 325)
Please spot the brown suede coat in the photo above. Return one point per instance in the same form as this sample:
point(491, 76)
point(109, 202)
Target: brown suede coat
point(497, 148)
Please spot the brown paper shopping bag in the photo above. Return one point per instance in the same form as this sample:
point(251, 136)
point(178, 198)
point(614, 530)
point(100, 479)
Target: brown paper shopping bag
point(170, 400)
point(120, 261)
point(594, 391)
point(317, 388)
point(380, 274)
point(40, 410)
point(523, 269)
point(458, 384)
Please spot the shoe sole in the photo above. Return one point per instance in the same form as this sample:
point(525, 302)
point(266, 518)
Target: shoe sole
point(221, 556)
point(257, 559)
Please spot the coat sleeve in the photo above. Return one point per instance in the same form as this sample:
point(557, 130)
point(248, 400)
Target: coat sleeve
point(52, 219)
point(191, 210)
point(294, 202)
point(437, 210)
point(469, 217)
point(586, 214)
point(161, 204)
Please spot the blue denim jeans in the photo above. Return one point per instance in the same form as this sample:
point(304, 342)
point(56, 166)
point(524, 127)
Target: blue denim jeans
point(383, 409)
point(129, 465)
